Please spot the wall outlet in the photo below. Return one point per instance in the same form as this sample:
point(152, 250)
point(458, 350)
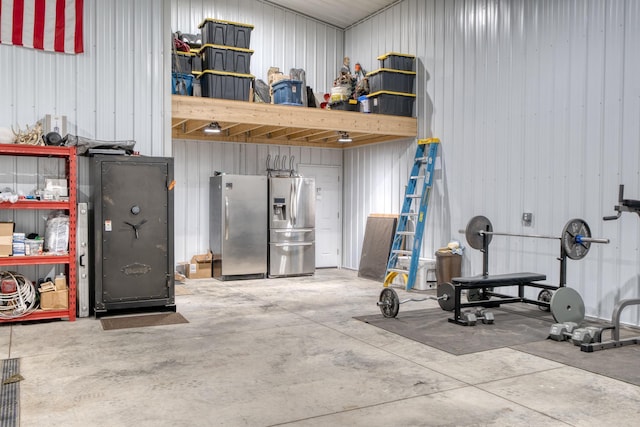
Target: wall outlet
point(527, 218)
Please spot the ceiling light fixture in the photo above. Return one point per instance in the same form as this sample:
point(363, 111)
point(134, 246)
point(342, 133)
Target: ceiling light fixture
point(344, 137)
point(212, 128)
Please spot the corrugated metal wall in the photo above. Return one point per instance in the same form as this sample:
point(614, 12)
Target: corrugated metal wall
point(280, 38)
point(537, 105)
point(117, 89)
point(195, 162)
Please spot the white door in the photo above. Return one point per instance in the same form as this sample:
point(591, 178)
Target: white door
point(328, 213)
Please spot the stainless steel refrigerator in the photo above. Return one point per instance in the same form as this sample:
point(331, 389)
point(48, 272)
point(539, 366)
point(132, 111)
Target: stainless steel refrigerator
point(292, 218)
point(238, 227)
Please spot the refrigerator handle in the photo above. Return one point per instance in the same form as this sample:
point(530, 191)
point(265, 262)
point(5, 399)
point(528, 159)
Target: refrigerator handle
point(294, 204)
point(226, 217)
point(285, 245)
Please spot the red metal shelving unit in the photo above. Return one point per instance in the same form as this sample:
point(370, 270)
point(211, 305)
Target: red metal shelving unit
point(69, 155)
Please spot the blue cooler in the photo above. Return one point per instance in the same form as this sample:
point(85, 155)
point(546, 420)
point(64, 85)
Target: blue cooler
point(288, 92)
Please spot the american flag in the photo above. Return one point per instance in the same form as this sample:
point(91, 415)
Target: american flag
point(52, 25)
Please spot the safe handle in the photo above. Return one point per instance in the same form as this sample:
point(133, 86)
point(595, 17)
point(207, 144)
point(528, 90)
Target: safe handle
point(226, 218)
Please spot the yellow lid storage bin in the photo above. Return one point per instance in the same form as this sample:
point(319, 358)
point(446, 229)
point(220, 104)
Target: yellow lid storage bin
point(392, 103)
point(226, 33)
point(398, 61)
point(223, 85)
point(391, 80)
point(225, 58)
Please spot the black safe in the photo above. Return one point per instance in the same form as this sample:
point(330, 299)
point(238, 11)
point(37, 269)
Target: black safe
point(132, 232)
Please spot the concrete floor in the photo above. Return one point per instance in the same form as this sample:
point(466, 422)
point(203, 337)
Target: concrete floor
point(287, 352)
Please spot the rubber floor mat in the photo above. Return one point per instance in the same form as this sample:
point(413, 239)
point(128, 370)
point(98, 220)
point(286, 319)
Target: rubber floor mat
point(431, 327)
point(141, 321)
point(10, 393)
point(618, 363)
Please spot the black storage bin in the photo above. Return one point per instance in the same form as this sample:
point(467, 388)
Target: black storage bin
point(226, 33)
point(391, 80)
point(348, 105)
point(182, 62)
point(398, 61)
point(223, 85)
point(196, 62)
point(392, 103)
point(224, 58)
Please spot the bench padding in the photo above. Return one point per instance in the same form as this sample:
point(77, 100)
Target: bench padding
point(500, 279)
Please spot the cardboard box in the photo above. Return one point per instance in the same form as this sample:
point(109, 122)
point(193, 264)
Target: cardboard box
point(60, 282)
point(55, 300)
point(200, 266)
point(6, 239)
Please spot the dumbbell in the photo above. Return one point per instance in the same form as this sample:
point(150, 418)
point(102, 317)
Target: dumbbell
point(471, 318)
point(562, 331)
point(586, 335)
point(486, 316)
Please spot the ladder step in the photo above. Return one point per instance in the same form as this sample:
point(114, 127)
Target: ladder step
point(398, 270)
point(406, 233)
point(402, 252)
point(414, 196)
point(409, 214)
point(418, 177)
point(421, 159)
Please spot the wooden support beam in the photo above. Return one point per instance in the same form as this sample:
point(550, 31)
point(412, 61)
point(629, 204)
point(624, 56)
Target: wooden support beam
point(221, 110)
point(264, 130)
point(241, 129)
point(194, 125)
point(283, 125)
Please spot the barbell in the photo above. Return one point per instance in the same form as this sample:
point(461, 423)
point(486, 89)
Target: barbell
point(575, 239)
point(565, 304)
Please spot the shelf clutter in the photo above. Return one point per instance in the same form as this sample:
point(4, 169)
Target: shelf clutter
point(213, 67)
point(217, 64)
point(20, 299)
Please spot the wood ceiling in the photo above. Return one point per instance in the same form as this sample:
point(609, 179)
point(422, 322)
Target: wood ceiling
point(281, 124)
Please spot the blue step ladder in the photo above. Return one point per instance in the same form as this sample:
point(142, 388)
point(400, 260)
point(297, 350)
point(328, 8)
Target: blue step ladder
point(414, 210)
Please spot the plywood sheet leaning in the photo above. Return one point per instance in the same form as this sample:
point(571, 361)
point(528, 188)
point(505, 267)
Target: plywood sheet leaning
point(378, 237)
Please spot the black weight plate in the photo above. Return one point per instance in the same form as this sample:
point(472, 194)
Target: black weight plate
point(573, 249)
point(389, 302)
point(448, 304)
point(567, 306)
point(545, 296)
point(474, 227)
point(477, 294)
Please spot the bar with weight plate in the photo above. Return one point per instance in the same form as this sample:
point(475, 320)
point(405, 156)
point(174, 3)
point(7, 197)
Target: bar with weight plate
point(575, 238)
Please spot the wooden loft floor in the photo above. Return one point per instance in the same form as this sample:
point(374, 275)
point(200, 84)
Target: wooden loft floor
point(281, 124)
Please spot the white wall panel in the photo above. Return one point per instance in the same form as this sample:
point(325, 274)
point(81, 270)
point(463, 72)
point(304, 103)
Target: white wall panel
point(537, 105)
point(280, 38)
point(197, 161)
point(117, 89)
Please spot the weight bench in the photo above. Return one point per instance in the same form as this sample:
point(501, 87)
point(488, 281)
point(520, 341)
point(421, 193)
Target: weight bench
point(480, 291)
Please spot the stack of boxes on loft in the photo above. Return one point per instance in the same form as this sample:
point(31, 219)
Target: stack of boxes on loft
point(186, 65)
point(218, 62)
point(392, 86)
point(226, 60)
